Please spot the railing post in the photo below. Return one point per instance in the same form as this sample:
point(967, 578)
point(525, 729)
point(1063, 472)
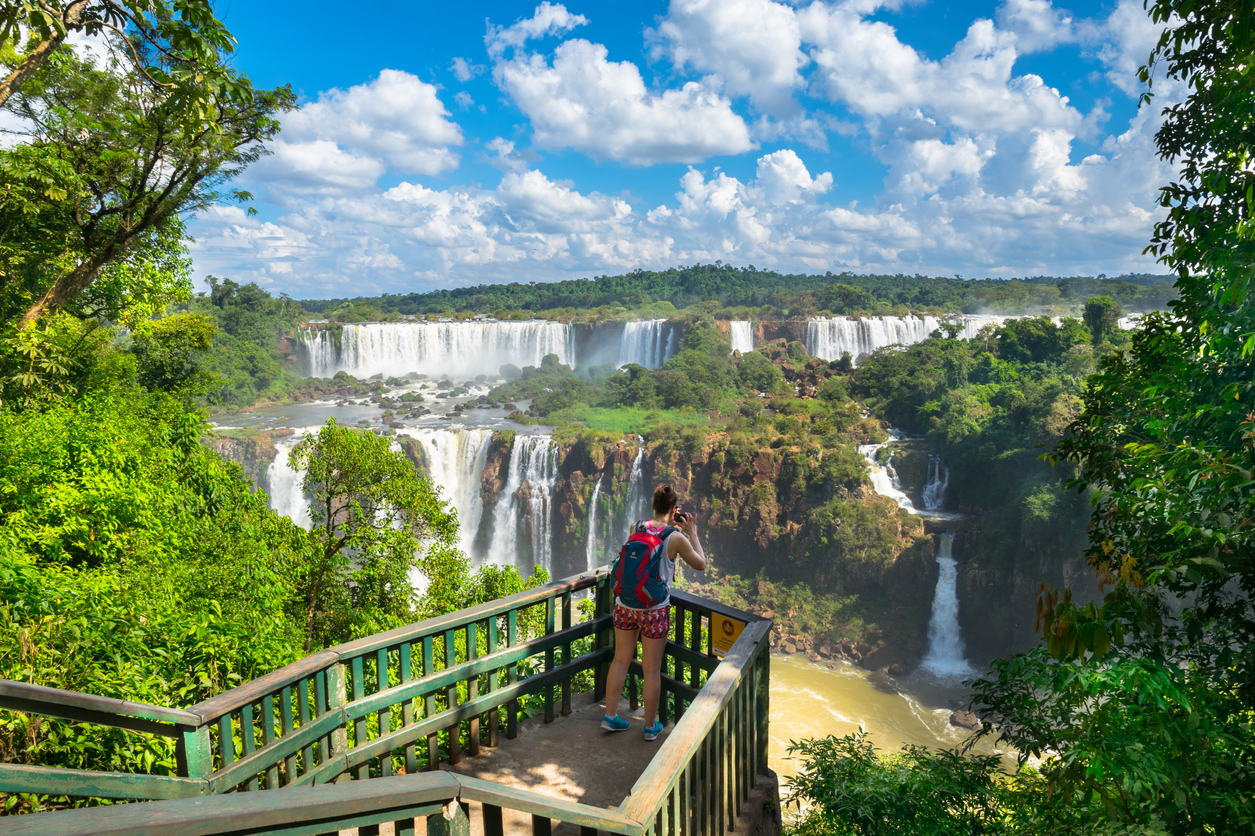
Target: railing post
point(472, 686)
point(337, 699)
point(451, 696)
point(194, 752)
point(548, 697)
point(601, 608)
point(494, 718)
point(452, 822)
point(763, 705)
point(566, 653)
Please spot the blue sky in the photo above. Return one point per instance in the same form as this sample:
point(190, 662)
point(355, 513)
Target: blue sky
point(525, 142)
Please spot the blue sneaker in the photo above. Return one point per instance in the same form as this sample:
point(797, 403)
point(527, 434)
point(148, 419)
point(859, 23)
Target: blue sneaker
point(615, 723)
point(652, 732)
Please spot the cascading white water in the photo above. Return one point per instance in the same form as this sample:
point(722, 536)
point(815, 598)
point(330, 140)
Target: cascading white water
point(828, 339)
point(945, 644)
point(634, 505)
point(457, 349)
point(455, 460)
point(529, 483)
point(741, 332)
point(934, 493)
point(649, 343)
point(884, 479)
point(284, 484)
point(591, 555)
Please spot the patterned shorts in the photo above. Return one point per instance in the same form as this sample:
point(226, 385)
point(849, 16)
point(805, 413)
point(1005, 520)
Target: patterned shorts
point(653, 624)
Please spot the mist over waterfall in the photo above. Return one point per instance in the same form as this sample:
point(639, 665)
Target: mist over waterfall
point(528, 490)
point(945, 645)
point(934, 493)
point(741, 332)
point(649, 343)
point(830, 338)
point(591, 555)
point(455, 460)
point(436, 349)
point(283, 484)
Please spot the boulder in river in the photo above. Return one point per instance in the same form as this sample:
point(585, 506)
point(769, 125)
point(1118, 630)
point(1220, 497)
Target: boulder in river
point(964, 720)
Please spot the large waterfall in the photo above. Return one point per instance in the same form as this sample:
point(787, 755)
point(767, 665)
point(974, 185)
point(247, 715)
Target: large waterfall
point(592, 557)
point(635, 501)
point(934, 493)
point(437, 349)
point(284, 484)
point(945, 645)
point(742, 335)
point(455, 460)
point(649, 343)
point(830, 338)
point(529, 488)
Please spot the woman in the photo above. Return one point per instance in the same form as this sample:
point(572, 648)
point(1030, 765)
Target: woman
point(652, 624)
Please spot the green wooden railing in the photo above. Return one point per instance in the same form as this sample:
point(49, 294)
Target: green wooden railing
point(393, 706)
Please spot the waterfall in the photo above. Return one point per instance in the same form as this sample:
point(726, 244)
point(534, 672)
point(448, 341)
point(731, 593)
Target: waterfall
point(284, 484)
point(830, 338)
point(529, 484)
point(650, 343)
point(635, 490)
point(742, 335)
point(321, 356)
point(590, 549)
point(884, 479)
point(938, 481)
point(437, 349)
point(945, 645)
point(455, 460)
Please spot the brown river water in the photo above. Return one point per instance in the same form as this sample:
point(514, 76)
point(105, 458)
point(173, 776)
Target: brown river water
point(815, 699)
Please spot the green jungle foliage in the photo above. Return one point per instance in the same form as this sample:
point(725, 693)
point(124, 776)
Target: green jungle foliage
point(760, 294)
point(990, 406)
point(850, 789)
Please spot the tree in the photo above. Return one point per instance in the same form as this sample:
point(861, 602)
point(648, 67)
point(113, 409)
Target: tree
point(112, 161)
point(1102, 318)
point(185, 35)
point(1146, 699)
point(372, 513)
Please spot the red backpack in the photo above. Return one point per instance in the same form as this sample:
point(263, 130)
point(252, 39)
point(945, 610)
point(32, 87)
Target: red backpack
point(637, 571)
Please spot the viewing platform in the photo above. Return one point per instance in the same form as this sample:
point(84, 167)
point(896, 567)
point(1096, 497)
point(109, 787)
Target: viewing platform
point(482, 721)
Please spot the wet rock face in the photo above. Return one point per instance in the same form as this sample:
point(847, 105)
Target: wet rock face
point(497, 468)
point(253, 452)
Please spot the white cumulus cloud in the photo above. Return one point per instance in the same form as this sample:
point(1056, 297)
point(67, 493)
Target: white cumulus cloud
point(548, 19)
point(751, 47)
point(602, 108)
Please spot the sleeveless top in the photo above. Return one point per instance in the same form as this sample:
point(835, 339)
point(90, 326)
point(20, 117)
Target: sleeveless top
point(666, 566)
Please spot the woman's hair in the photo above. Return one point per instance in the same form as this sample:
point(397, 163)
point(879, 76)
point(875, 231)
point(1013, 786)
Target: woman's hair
point(665, 499)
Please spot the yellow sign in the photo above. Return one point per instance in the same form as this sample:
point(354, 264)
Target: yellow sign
point(724, 632)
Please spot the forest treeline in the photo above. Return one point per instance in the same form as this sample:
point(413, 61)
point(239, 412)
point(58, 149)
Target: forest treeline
point(748, 292)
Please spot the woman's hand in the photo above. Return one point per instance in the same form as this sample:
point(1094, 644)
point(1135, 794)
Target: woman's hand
point(686, 522)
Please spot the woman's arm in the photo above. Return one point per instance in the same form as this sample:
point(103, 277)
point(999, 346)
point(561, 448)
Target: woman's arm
point(688, 545)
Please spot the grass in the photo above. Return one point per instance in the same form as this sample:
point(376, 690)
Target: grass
point(623, 421)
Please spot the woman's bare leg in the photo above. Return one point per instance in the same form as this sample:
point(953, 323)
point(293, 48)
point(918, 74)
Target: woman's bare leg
point(624, 648)
point(651, 661)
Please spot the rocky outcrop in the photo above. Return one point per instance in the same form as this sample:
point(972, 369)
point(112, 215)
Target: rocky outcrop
point(253, 451)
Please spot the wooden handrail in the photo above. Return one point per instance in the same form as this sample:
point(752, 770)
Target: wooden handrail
point(352, 804)
point(656, 781)
point(460, 618)
point(55, 698)
point(725, 717)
